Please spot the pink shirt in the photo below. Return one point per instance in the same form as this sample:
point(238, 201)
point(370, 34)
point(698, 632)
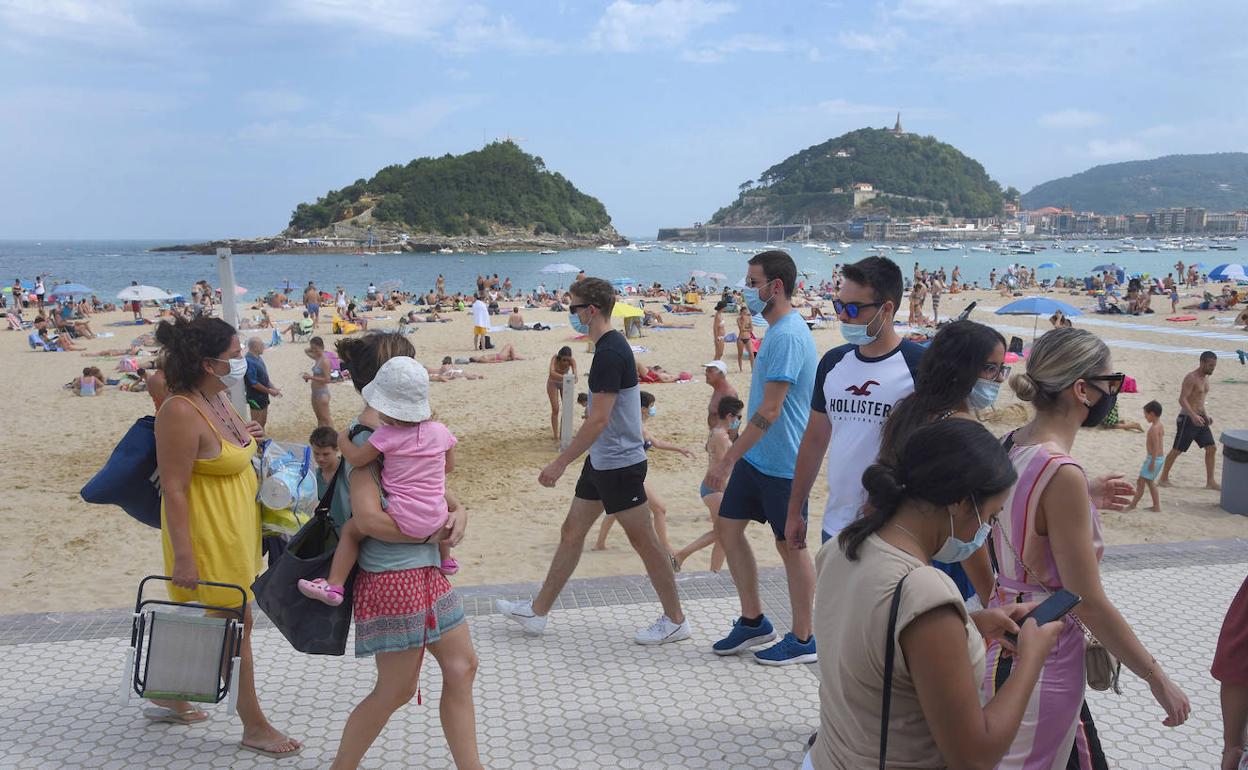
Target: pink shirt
point(413, 474)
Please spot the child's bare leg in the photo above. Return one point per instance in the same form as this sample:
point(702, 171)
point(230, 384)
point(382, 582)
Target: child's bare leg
point(345, 554)
point(1156, 495)
point(1139, 492)
point(601, 543)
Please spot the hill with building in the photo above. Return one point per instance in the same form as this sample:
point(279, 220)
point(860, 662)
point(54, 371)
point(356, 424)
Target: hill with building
point(497, 193)
point(1215, 182)
point(866, 172)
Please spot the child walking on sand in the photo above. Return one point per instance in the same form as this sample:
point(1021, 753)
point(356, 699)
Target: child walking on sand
point(1153, 442)
point(418, 451)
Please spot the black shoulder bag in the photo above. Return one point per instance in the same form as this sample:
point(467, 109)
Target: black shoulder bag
point(890, 652)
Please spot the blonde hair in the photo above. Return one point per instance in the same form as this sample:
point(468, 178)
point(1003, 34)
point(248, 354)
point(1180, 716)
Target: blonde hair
point(1058, 358)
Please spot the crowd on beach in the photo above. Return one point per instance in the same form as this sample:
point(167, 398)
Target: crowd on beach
point(938, 538)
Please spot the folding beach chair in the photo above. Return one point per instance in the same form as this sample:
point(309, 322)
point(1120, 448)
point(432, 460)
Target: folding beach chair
point(16, 324)
point(176, 655)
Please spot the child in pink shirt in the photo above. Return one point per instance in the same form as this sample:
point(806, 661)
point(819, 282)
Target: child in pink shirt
point(418, 453)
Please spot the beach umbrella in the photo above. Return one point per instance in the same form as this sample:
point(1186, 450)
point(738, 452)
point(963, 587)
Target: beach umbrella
point(1037, 306)
point(143, 293)
point(1045, 265)
point(69, 290)
point(1231, 271)
point(1110, 268)
point(622, 282)
point(698, 273)
point(390, 285)
point(717, 277)
point(560, 267)
point(625, 310)
point(240, 291)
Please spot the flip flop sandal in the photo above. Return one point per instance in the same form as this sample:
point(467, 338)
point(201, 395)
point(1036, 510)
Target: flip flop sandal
point(162, 715)
point(269, 752)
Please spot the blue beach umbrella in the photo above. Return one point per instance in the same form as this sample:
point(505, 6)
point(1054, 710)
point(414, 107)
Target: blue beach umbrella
point(1231, 271)
point(1110, 268)
point(69, 290)
point(1044, 265)
point(1037, 306)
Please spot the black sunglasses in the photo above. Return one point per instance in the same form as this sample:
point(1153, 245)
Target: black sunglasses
point(852, 309)
point(1112, 381)
point(582, 306)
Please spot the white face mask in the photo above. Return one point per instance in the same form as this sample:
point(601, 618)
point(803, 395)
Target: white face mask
point(238, 368)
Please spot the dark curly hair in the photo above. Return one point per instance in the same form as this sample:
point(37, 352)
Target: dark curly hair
point(187, 344)
point(363, 356)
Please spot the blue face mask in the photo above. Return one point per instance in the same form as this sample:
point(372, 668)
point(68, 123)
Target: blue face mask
point(984, 394)
point(859, 335)
point(580, 326)
point(755, 303)
point(955, 550)
point(652, 411)
point(736, 423)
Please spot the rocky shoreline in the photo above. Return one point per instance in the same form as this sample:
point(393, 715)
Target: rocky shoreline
point(416, 244)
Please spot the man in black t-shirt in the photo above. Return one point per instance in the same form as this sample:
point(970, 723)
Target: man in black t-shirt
point(612, 477)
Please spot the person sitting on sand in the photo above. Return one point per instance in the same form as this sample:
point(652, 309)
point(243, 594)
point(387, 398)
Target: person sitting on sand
point(91, 383)
point(77, 328)
point(515, 320)
point(448, 372)
point(304, 325)
point(352, 316)
point(507, 353)
point(265, 321)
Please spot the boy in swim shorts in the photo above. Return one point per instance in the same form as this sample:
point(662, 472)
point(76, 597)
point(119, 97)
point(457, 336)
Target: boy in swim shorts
point(1154, 439)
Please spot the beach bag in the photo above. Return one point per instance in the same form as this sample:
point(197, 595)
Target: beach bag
point(130, 479)
point(287, 488)
point(309, 625)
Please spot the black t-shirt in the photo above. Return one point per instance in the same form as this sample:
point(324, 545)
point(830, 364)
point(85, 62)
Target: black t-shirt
point(614, 370)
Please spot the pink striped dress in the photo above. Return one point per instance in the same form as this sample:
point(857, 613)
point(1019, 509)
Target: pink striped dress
point(1050, 726)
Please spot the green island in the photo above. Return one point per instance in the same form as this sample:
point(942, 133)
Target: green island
point(1214, 181)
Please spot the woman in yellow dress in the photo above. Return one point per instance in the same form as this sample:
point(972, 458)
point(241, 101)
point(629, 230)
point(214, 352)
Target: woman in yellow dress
point(210, 522)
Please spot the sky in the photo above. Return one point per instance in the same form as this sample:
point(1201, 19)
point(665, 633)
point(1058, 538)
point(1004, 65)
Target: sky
point(214, 118)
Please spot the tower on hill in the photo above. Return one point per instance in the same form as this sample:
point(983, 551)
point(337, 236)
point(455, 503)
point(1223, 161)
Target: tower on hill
point(897, 130)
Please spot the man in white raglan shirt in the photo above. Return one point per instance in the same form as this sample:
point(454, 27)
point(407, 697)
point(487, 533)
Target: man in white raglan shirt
point(480, 321)
point(856, 386)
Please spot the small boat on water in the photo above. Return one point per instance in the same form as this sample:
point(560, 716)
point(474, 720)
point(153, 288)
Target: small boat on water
point(982, 248)
point(548, 251)
point(1223, 247)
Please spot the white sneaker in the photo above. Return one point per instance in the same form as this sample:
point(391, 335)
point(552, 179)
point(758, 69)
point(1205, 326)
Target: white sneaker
point(522, 613)
point(663, 631)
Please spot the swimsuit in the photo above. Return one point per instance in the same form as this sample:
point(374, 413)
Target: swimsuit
point(1152, 466)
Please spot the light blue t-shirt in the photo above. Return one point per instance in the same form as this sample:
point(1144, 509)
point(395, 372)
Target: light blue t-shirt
point(375, 555)
point(787, 354)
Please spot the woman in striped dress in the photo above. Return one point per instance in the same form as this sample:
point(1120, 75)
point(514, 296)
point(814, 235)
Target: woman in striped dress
point(1048, 536)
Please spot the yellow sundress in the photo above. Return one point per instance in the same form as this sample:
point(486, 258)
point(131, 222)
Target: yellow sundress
point(224, 518)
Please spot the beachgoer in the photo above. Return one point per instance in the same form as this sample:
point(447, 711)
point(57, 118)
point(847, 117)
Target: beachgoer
point(480, 322)
point(1153, 458)
point(40, 291)
point(560, 364)
point(613, 477)
point(655, 374)
point(727, 420)
point(312, 303)
point(716, 374)
point(136, 307)
point(506, 353)
point(259, 389)
point(1049, 537)
point(515, 320)
point(340, 302)
point(448, 371)
point(936, 287)
point(745, 337)
point(1193, 421)
point(419, 453)
point(91, 383)
point(856, 386)
point(402, 603)
point(756, 473)
point(717, 330)
point(210, 526)
point(319, 380)
point(1230, 668)
point(324, 443)
point(960, 374)
point(932, 500)
point(304, 325)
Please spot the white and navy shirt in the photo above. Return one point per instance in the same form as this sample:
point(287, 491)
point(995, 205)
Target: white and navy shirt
point(857, 393)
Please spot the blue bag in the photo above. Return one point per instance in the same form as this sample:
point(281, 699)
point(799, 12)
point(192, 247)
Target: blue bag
point(130, 478)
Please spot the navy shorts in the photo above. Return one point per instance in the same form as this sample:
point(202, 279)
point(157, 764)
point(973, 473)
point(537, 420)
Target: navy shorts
point(752, 495)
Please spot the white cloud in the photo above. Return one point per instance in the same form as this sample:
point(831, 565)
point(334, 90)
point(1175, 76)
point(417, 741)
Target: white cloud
point(1116, 149)
point(1071, 118)
point(84, 20)
point(630, 26)
point(885, 42)
point(275, 101)
point(737, 44)
point(459, 27)
point(962, 11)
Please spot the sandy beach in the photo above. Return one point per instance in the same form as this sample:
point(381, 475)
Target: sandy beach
point(62, 554)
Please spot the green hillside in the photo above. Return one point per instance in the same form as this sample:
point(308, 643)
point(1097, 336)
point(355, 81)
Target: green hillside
point(498, 186)
point(1218, 182)
point(917, 175)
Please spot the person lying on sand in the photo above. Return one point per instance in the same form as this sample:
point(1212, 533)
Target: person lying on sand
point(507, 353)
point(657, 374)
point(655, 320)
point(448, 372)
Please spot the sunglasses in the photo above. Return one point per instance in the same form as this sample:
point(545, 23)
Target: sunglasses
point(580, 307)
point(996, 372)
point(852, 309)
point(1113, 382)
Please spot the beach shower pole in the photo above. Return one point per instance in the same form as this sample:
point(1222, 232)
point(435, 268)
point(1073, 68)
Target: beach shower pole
point(229, 313)
point(565, 418)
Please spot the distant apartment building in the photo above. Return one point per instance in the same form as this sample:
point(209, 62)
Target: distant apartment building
point(1176, 221)
point(1232, 223)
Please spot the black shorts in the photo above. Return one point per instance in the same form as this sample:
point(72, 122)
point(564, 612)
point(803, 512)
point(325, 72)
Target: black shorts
point(1188, 431)
point(752, 495)
point(619, 488)
point(258, 401)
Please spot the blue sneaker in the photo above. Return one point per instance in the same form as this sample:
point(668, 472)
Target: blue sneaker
point(787, 651)
point(743, 637)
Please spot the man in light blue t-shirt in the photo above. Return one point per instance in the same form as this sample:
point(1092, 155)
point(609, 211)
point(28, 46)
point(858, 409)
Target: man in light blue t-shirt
point(758, 469)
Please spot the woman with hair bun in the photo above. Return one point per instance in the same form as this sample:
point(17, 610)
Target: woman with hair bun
point(933, 501)
point(1049, 537)
point(210, 522)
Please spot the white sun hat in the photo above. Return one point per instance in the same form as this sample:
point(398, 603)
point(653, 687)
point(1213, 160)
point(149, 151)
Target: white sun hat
point(400, 390)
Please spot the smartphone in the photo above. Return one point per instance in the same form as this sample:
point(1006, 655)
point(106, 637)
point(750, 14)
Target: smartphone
point(1052, 608)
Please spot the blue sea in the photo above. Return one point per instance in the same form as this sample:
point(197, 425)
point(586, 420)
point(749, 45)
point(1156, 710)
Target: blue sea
point(108, 266)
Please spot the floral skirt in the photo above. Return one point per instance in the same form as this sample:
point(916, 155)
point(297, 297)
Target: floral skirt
point(403, 609)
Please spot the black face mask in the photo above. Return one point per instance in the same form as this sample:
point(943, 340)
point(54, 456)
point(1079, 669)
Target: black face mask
point(1098, 411)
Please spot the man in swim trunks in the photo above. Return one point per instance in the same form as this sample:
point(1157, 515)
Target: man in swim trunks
point(1193, 423)
point(312, 302)
point(716, 373)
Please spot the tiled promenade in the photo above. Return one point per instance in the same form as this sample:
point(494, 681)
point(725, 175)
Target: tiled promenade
point(583, 696)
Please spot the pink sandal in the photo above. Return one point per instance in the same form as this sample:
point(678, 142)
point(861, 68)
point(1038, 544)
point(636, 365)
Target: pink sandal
point(322, 591)
point(449, 566)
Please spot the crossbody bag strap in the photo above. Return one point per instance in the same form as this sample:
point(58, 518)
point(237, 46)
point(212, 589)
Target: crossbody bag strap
point(890, 652)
